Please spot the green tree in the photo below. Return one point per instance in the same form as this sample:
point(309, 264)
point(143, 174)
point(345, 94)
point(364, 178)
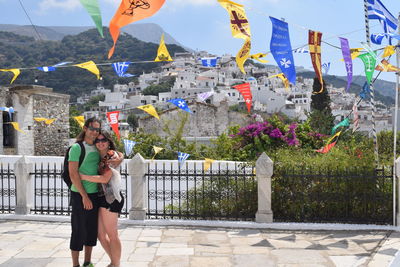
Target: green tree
point(133, 121)
point(321, 118)
point(164, 86)
point(74, 127)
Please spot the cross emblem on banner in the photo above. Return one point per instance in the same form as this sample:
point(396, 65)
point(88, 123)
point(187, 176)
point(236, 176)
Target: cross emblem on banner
point(239, 22)
point(181, 103)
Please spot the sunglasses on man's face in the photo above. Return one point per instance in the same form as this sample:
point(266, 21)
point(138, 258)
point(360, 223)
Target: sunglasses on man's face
point(94, 128)
point(102, 140)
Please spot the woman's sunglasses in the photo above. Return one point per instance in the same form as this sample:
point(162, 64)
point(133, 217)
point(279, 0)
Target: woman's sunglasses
point(102, 140)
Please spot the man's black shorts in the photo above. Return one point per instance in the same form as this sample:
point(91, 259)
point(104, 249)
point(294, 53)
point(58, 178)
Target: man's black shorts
point(83, 222)
point(113, 207)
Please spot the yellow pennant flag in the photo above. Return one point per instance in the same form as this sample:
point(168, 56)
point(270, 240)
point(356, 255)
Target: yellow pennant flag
point(16, 72)
point(207, 163)
point(90, 66)
point(80, 120)
point(258, 57)
point(162, 52)
point(240, 29)
point(16, 126)
point(156, 151)
point(47, 121)
point(150, 110)
point(243, 55)
point(283, 78)
point(389, 50)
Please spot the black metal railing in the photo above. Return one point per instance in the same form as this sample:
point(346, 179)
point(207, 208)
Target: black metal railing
point(51, 194)
point(225, 192)
point(354, 195)
point(8, 192)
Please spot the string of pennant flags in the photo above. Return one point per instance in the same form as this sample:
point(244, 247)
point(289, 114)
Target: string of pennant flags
point(280, 48)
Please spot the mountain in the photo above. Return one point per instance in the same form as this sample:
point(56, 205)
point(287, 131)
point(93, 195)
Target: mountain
point(28, 53)
point(146, 32)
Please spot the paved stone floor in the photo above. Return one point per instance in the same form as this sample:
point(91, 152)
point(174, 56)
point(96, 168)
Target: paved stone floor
point(31, 244)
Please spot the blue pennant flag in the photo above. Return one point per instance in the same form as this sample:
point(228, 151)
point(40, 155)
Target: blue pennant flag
point(46, 69)
point(121, 67)
point(209, 61)
point(182, 157)
point(128, 144)
point(326, 67)
point(366, 91)
point(377, 38)
point(281, 49)
point(180, 103)
point(53, 68)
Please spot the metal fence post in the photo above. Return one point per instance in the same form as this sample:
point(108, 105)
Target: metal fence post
point(397, 172)
point(137, 170)
point(22, 169)
point(264, 171)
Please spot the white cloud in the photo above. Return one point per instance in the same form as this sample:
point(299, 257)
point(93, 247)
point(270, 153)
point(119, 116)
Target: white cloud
point(69, 5)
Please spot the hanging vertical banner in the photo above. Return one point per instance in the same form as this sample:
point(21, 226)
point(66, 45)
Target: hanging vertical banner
point(240, 29)
point(112, 118)
point(281, 49)
point(244, 89)
point(16, 72)
point(314, 44)
point(162, 52)
point(355, 117)
point(128, 12)
point(92, 7)
point(344, 43)
point(369, 65)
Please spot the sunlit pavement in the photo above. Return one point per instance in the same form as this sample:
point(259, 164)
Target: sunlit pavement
point(37, 243)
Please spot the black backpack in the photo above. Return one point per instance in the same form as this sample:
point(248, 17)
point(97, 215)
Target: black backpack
point(65, 172)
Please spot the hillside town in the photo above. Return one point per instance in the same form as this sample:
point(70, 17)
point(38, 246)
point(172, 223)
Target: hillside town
point(269, 95)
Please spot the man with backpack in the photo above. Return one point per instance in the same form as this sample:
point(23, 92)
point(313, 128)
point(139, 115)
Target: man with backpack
point(84, 216)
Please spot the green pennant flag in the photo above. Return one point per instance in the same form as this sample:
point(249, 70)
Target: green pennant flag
point(369, 64)
point(92, 7)
point(343, 123)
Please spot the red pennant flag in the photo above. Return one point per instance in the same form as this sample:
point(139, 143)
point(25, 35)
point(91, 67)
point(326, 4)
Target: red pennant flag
point(314, 44)
point(113, 121)
point(331, 143)
point(244, 89)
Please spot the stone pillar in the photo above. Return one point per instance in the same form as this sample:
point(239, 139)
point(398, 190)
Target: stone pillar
point(137, 170)
point(397, 173)
point(22, 168)
point(264, 171)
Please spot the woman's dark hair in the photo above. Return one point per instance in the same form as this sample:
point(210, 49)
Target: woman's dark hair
point(107, 135)
point(81, 135)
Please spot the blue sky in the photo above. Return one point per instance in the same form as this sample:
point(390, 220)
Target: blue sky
point(204, 24)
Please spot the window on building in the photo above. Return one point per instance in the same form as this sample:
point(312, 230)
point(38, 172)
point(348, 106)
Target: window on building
point(206, 83)
point(8, 130)
point(143, 102)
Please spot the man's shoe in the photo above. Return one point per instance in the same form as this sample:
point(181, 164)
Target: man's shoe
point(88, 265)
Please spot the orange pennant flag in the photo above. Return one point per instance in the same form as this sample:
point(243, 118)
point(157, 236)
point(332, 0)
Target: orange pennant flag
point(128, 12)
point(386, 66)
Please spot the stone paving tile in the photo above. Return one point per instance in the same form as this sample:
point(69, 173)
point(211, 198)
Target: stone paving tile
point(47, 244)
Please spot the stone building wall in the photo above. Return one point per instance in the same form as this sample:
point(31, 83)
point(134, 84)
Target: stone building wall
point(205, 121)
point(38, 138)
point(52, 139)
